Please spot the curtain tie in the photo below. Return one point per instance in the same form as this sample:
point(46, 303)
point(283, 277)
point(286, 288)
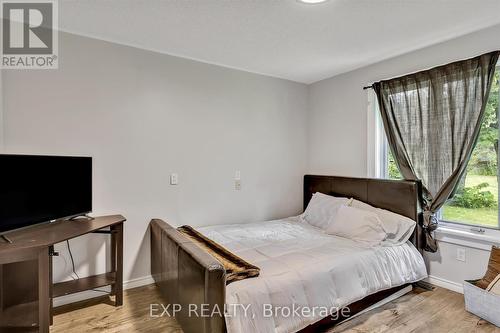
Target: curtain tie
point(430, 224)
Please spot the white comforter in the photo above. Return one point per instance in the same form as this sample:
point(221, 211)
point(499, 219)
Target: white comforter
point(306, 271)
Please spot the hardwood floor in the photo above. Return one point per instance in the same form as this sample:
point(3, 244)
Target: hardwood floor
point(439, 311)
point(100, 315)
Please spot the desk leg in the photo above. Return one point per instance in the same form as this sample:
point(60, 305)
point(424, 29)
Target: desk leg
point(117, 248)
point(43, 291)
point(113, 258)
point(51, 305)
point(2, 289)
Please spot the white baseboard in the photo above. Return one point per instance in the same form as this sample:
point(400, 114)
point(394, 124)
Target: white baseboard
point(84, 295)
point(139, 282)
point(447, 284)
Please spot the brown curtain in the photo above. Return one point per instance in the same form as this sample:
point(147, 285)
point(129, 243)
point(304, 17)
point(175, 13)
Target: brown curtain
point(432, 121)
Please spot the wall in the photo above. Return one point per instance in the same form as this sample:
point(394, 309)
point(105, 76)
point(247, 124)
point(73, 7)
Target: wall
point(338, 141)
point(1, 110)
point(143, 115)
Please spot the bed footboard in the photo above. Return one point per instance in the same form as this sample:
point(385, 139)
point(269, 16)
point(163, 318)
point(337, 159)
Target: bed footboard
point(189, 278)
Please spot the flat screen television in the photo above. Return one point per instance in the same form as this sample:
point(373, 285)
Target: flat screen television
point(36, 189)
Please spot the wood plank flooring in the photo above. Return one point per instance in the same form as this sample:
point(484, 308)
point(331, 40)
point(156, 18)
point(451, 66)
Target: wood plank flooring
point(438, 311)
point(100, 315)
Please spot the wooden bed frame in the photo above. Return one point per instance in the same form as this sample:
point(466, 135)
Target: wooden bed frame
point(186, 274)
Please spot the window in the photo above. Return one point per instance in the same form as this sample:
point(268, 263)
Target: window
point(476, 199)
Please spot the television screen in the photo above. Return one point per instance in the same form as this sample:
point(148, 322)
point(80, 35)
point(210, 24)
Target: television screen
point(35, 189)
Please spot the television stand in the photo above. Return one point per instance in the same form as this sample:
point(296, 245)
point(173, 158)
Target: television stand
point(26, 288)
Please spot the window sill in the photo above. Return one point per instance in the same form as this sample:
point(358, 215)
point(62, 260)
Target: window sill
point(463, 236)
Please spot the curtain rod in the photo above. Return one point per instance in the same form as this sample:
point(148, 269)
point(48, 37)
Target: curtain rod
point(498, 66)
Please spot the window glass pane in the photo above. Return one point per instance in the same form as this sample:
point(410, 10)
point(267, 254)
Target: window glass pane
point(476, 200)
point(392, 168)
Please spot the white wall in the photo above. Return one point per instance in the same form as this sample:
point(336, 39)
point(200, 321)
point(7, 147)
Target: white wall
point(338, 128)
point(143, 115)
point(1, 110)
point(444, 268)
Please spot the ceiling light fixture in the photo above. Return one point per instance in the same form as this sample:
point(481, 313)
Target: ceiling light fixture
point(312, 2)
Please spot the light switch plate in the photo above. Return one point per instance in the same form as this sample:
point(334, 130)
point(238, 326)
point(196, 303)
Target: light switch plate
point(174, 179)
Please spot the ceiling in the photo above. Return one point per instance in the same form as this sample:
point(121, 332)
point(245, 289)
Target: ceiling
point(280, 38)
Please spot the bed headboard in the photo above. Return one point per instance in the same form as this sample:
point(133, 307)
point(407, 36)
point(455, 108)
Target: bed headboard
point(398, 196)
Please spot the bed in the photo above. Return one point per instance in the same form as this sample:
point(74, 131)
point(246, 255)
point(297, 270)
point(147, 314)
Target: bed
point(301, 266)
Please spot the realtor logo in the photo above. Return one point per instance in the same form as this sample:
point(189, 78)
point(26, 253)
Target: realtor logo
point(29, 34)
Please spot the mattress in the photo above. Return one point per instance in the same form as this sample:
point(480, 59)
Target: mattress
point(305, 273)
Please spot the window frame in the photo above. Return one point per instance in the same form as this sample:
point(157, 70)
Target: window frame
point(377, 141)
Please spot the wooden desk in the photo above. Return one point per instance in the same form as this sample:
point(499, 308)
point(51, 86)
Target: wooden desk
point(26, 289)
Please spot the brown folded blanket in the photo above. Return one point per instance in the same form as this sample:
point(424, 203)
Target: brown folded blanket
point(493, 269)
point(236, 268)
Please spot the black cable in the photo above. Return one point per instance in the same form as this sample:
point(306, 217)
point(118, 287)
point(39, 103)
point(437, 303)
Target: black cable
point(74, 271)
point(72, 260)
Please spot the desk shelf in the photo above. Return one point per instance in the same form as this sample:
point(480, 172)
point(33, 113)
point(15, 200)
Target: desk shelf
point(82, 284)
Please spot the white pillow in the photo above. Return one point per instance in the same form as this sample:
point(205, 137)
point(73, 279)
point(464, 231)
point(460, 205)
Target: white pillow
point(399, 228)
point(321, 208)
point(357, 224)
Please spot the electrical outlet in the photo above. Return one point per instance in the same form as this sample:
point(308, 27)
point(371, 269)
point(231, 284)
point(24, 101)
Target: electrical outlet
point(237, 184)
point(174, 179)
point(461, 254)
